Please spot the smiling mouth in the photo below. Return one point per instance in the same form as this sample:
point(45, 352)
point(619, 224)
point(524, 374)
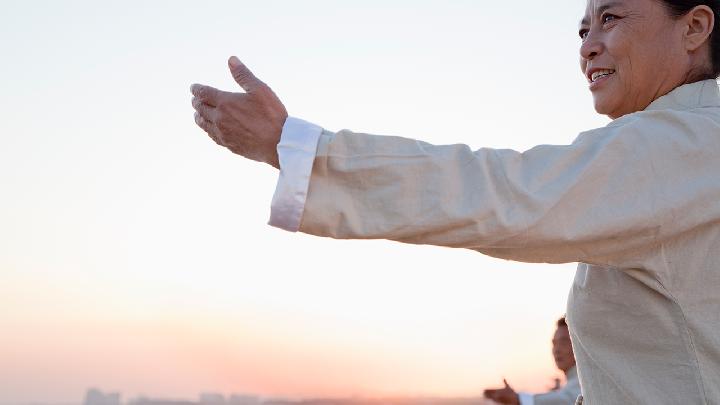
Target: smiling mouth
point(600, 74)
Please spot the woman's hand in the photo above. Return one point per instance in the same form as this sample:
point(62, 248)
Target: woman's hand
point(250, 123)
point(504, 395)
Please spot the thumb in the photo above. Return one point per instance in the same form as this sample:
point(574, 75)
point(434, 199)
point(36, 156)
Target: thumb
point(243, 76)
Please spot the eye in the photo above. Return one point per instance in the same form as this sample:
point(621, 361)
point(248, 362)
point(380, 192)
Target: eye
point(583, 33)
point(606, 18)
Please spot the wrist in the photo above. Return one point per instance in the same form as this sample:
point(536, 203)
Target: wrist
point(274, 161)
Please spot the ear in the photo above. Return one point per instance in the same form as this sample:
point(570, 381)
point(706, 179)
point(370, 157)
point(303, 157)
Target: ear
point(700, 22)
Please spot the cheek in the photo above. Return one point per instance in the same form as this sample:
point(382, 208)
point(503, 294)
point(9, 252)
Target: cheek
point(633, 59)
point(619, 47)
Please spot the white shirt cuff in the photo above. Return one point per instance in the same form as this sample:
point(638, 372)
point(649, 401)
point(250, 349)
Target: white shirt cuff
point(296, 152)
point(526, 399)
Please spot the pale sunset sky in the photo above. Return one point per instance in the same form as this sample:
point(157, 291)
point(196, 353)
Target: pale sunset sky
point(134, 252)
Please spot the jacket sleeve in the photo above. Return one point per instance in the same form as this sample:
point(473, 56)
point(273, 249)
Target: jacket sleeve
point(560, 397)
point(642, 179)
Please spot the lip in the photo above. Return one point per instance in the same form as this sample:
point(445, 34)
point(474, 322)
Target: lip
point(595, 84)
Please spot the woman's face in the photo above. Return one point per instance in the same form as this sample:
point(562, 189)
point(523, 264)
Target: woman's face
point(631, 53)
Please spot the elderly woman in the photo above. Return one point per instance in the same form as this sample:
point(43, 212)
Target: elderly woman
point(636, 203)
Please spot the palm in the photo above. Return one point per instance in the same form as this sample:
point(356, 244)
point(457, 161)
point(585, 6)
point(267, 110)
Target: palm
point(505, 395)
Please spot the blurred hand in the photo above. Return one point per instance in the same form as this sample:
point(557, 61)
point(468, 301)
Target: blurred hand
point(504, 395)
point(249, 123)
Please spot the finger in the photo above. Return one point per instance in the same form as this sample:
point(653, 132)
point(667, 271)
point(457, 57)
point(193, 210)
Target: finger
point(243, 76)
point(210, 128)
point(506, 383)
point(206, 94)
point(206, 111)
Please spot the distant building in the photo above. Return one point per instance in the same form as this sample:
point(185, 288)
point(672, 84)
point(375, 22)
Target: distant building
point(152, 401)
point(211, 398)
point(97, 397)
point(279, 402)
point(238, 399)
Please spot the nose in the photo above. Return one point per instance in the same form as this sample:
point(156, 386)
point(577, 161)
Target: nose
point(591, 47)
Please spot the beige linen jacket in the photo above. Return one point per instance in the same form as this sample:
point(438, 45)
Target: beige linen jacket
point(637, 203)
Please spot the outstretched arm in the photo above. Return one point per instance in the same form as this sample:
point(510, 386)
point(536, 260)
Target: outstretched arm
point(505, 395)
point(615, 191)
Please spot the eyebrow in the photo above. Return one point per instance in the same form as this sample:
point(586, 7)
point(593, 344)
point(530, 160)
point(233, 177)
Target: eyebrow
point(600, 10)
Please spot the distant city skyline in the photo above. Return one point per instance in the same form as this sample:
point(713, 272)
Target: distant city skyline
point(95, 396)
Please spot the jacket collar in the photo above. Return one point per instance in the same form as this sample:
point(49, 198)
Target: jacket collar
point(704, 93)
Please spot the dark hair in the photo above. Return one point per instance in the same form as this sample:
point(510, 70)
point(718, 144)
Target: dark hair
point(679, 8)
point(561, 322)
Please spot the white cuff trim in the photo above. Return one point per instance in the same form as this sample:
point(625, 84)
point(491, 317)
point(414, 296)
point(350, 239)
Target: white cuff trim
point(296, 152)
point(526, 399)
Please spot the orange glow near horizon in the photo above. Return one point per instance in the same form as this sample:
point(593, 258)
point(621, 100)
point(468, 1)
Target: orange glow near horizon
point(184, 358)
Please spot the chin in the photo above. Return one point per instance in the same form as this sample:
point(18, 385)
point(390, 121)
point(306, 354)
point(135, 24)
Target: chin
point(600, 104)
point(604, 107)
